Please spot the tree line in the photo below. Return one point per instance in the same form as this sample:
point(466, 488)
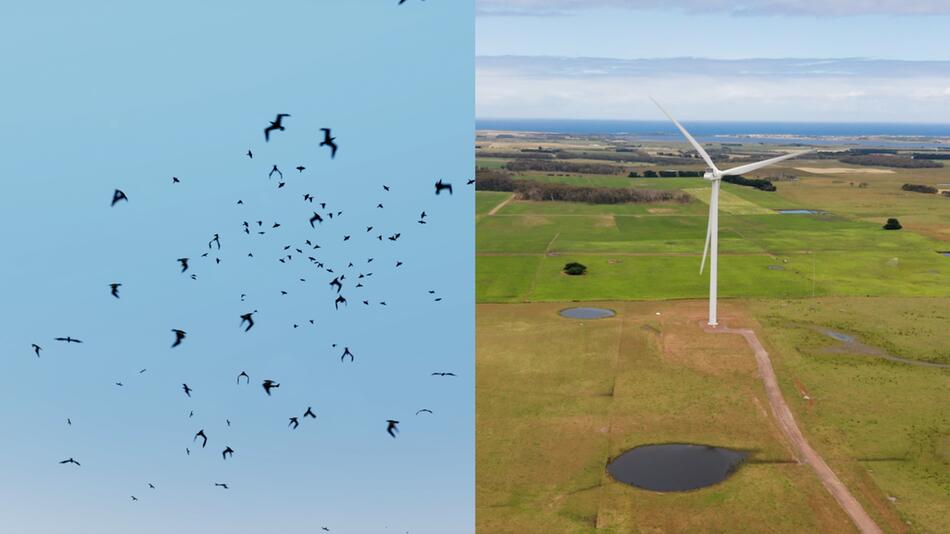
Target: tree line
point(492, 180)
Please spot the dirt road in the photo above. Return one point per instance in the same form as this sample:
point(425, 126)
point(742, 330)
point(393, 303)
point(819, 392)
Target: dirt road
point(800, 446)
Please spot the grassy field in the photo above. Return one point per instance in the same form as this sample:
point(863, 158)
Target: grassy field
point(557, 398)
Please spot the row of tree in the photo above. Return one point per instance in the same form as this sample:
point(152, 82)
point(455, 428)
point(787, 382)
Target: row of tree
point(492, 180)
point(549, 165)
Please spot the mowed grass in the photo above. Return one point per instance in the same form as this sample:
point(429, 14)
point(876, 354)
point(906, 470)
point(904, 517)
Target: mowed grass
point(883, 427)
point(486, 201)
point(557, 398)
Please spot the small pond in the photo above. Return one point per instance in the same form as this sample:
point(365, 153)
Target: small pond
point(944, 253)
point(799, 212)
point(675, 466)
point(587, 313)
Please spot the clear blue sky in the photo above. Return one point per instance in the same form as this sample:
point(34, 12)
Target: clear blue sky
point(105, 95)
point(719, 32)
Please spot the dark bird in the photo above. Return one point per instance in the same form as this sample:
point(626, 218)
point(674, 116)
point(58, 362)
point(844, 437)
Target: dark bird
point(275, 169)
point(309, 413)
point(118, 195)
point(250, 154)
point(336, 282)
point(134, 498)
point(37, 349)
point(439, 186)
point(219, 485)
point(316, 217)
point(470, 182)
point(118, 384)
point(443, 374)
point(184, 264)
point(394, 237)
point(424, 410)
point(328, 141)
point(67, 339)
point(268, 384)
point(142, 371)
point(203, 437)
point(69, 421)
point(423, 215)
point(300, 168)
point(294, 423)
point(386, 187)
point(69, 461)
point(346, 238)
point(179, 335)
point(187, 451)
point(346, 352)
point(216, 241)
point(246, 318)
point(115, 289)
point(186, 389)
point(227, 450)
point(151, 485)
point(175, 180)
point(391, 428)
point(247, 378)
point(275, 124)
point(339, 300)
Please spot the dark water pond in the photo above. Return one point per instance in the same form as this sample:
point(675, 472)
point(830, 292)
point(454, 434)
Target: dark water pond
point(837, 335)
point(587, 313)
point(799, 212)
point(944, 253)
point(675, 466)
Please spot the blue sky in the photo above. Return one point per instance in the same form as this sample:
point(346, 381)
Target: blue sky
point(105, 95)
point(722, 33)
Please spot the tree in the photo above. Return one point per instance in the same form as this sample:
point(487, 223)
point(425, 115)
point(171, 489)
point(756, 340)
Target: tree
point(892, 224)
point(575, 269)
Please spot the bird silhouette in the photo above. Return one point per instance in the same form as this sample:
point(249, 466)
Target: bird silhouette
point(186, 389)
point(115, 289)
point(69, 421)
point(346, 352)
point(328, 141)
point(424, 410)
point(250, 154)
point(300, 168)
point(68, 339)
point(151, 485)
point(246, 318)
point(316, 217)
point(275, 169)
point(336, 282)
point(470, 182)
point(184, 264)
point(391, 428)
point(276, 124)
point(339, 300)
point(134, 498)
point(215, 240)
point(118, 195)
point(204, 437)
point(294, 423)
point(443, 374)
point(247, 378)
point(37, 349)
point(227, 450)
point(69, 461)
point(175, 180)
point(219, 485)
point(309, 413)
point(179, 335)
point(439, 186)
point(268, 384)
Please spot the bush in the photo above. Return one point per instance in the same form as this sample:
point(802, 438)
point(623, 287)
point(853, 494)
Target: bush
point(562, 166)
point(919, 188)
point(575, 269)
point(892, 224)
point(633, 174)
point(757, 183)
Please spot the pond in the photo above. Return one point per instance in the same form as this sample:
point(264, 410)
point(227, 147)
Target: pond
point(587, 313)
point(675, 466)
point(799, 212)
point(944, 253)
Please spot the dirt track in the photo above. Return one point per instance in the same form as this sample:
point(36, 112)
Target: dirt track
point(800, 446)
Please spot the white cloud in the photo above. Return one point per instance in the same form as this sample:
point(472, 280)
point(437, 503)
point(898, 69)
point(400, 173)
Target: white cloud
point(735, 7)
point(705, 89)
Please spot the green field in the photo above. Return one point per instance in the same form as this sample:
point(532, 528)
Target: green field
point(557, 398)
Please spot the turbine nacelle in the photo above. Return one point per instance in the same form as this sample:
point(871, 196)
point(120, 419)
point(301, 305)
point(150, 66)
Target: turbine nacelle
point(712, 175)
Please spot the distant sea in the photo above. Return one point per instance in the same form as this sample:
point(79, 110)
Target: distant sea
point(812, 133)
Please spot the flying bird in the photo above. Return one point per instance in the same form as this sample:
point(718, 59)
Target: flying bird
point(68, 339)
point(439, 186)
point(336, 282)
point(179, 335)
point(186, 389)
point(175, 180)
point(316, 217)
point(203, 437)
point(339, 300)
point(247, 378)
point(215, 240)
point(275, 169)
point(227, 450)
point(309, 413)
point(294, 423)
point(300, 168)
point(346, 352)
point(470, 182)
point(115, 289)
point(443, 374)
point(69, 461)
point(134, 498)
point(118, 195)
point(275, 124)
point(250, 154)
point(37, 349)
point(219, 485)
point(328, 141)
point(424, 410)
point(391, 428)
point(246, 318)
point(184, 264)
point(268, 384)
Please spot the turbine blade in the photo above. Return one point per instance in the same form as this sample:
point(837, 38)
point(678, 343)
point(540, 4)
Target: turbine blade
point(706, 246)
point(689, 138)
point(742, 169)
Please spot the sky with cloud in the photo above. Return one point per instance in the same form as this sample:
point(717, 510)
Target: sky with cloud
point(829, 60)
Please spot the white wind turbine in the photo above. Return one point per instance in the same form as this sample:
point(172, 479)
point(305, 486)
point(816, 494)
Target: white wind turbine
point(712, 227)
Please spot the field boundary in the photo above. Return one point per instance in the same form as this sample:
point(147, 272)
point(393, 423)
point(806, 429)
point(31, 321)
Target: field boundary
point(801, 448)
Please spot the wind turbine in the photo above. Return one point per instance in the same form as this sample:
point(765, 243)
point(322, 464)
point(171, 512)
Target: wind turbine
point(712, 228)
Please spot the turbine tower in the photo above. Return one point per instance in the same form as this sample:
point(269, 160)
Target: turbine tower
point(712, 227)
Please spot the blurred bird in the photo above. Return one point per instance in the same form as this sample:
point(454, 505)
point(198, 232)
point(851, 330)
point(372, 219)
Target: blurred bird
point(391, 428)
point(276, 124)
point(328, 141)
point(118, 195)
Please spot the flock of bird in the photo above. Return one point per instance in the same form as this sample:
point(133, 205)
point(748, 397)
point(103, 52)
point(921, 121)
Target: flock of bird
point(341, 279)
